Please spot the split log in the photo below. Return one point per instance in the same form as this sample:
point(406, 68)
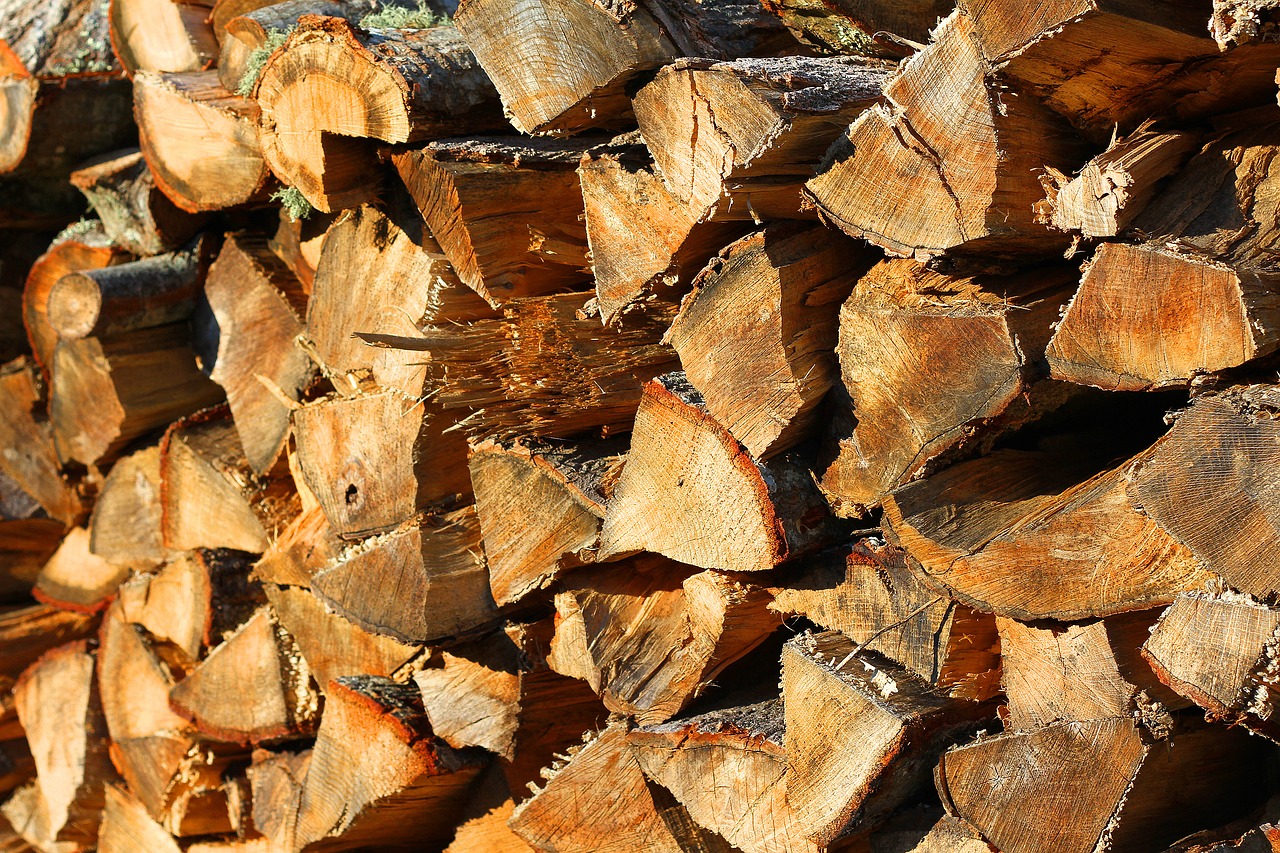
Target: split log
point(259, 305)
point(377, 777)
point(600, 802)
point(545, 368)
point(900, 333)
point(1048, 534)
point(1142, 791)
point(31, 460)
point(126, 297)
point(1219, 651)
point(644, 243)
point(540, 506)
point(906, 179)
point(861, 734)
point(127, 828)
point(1206, 482)
point(135, 214)
point(76, 579)
point(210, 497)
point(506, 210)
point(305, 546)
point(435, 563)
point(567, 64)
point(649, 637)
point(276, 780)
point(25, 546)
point(375, 459)
point(255, 686)
point(862, 27)
point(407, 283)
point(78, 249)
point(125, 527)
point(107, 392)
point(869, 592)
point(690, 491)
point(1114, 187)
point(200, 140)
point(158, 35)
point(331, 645)
point(61, 713)
point(401, 86)
point(737, 140)
point(692, 757)
point(756, 335)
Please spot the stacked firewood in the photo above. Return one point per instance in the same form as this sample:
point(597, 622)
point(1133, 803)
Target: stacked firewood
point(666, 425)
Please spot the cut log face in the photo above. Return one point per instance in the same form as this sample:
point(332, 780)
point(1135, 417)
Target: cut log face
point(1042, 529)
point(276, 780)
point(1193, 316)
point(861, 733)
point(732, 140)
point(378, 778)
point(75, 578)
point(1005, 786)
point(127, 828)
point(1207, 482)
point(690, 491)
point(374, 460)
point(649, 637)
point(1218, 651)
point(757, 334)
point(155, 35)
point(258, 304)
point(915, 402)
point(31, 460)
point(436, 564)
point(871, 593)
point(173, 605)
point(644, 243)
point(506, 210)
point(937, 190)
point(393, 86)
point(305, 546)
point(540, 505)
point(1114, 187)
point(692, 756)
point(136, 215)
point(200, 140)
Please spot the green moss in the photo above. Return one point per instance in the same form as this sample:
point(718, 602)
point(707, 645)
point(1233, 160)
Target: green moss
point(294, 203)
point(258, 58)
point(398, 18)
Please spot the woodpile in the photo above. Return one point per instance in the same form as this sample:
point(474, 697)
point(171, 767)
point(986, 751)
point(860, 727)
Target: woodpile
point(776, 426)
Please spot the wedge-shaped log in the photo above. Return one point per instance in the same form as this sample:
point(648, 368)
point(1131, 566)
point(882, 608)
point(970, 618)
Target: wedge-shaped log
point(108, 391)
point(200, 140)
point(275, 780)
point(600, 801)
point(255, 686)
point(645, 244)
point(375, 459)
point(907, 179)
point(1114, 187)
point(209, 494)
point(649, 637)
point(126, 826)
point(869, 592)
point(377, 777)
point(900, 335)
point(506, 210)
point(389, 86)
point(1006, 786)
point(1206, 483)
point(1190, 316)
point(567, 64)
point(757, 335)
point(32, 461)
point(60, 710)
point(1041, 529)
point(77, 579)
point(693, 756)
point(540, 505)
point(1219, 651)
point(136, 215)
point(861, 734)
point(691, 491)
point(737, 140)
point(150, 35)
point(437, 565)
point(174, 605)
point(407, 283)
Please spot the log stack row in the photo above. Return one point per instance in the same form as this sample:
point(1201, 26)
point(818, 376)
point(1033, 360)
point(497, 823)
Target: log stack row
point(677, 425)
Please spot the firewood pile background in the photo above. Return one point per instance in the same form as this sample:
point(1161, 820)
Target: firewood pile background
point(773, 426)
